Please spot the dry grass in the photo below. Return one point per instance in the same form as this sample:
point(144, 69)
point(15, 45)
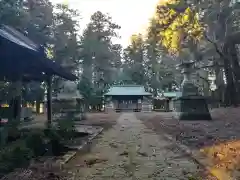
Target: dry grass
point(47, 170)
point(218, 140)
point(105, 120)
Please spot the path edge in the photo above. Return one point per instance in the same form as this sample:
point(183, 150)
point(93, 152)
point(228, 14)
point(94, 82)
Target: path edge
point(71, 154)
point(220, 175)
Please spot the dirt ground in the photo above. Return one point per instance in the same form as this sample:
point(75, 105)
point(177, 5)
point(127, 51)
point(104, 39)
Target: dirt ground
point(46, 170)
point(218, 140)
point(129, 150)
point(105, 120)
point(132, 147)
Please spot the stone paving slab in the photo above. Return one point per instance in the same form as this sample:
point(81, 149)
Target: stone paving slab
point(132, 151)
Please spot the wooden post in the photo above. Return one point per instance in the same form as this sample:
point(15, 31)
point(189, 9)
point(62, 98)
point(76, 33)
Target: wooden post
point(49, 101)
point(167, 103)
point(37, 106)
point(17, 99)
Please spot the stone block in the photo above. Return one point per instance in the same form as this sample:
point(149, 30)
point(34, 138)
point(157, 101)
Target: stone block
point(192, 108)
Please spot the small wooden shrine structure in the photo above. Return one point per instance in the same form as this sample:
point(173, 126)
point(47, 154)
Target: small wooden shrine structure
point(128, 98)
point(166, 101)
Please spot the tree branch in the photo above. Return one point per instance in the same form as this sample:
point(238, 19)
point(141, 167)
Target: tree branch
point(215, 46)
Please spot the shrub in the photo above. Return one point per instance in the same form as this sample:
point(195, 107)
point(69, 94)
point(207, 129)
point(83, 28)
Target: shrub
point(21, 155)
point(54, 145)
point(66, 128)
point(35, 142)
point(13, 131)
point(52, 133)
point(14, 156)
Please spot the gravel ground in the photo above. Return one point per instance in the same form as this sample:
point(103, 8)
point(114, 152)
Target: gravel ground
point(130, 150)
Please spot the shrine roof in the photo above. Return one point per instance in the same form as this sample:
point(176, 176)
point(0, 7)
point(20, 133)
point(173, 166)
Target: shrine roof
point(20, 55)
point(172, 94)
point(127, 90)
point(16, 37)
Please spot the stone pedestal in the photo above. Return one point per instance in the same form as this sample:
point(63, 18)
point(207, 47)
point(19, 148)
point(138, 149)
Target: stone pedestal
point(190, 105)
point(192, 108)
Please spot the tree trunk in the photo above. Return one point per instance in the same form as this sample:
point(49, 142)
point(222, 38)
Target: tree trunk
point(235, 67)
point(219, 81)
point(37, 107)
point(230, 91)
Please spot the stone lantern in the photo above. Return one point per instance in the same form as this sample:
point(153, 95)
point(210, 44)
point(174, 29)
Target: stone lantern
point(69, 103)
point(190, 105)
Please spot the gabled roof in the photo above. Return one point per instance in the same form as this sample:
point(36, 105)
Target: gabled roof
point(16, 37)
point(127, 90)
point(19, 55)
point(172, 94)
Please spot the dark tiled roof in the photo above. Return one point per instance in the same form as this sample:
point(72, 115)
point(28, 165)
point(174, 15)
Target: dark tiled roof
point(19, 55)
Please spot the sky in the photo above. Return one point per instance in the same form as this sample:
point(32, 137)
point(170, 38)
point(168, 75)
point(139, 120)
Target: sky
point(132, 15)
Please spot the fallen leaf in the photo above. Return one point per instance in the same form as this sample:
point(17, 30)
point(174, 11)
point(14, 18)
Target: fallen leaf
point(142, 154)
point(92, 161)
point(113, 145)
point(124, 153)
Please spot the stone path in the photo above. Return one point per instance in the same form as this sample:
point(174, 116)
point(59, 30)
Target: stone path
point(130, 151)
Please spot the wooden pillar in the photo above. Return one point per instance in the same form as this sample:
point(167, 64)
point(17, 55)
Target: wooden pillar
point(49, 101)
point(166, 101)
point(17, 99)
point(37, 106)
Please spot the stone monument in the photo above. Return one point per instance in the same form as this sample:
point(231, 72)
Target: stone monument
point(68, 103)
point(190, 105)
